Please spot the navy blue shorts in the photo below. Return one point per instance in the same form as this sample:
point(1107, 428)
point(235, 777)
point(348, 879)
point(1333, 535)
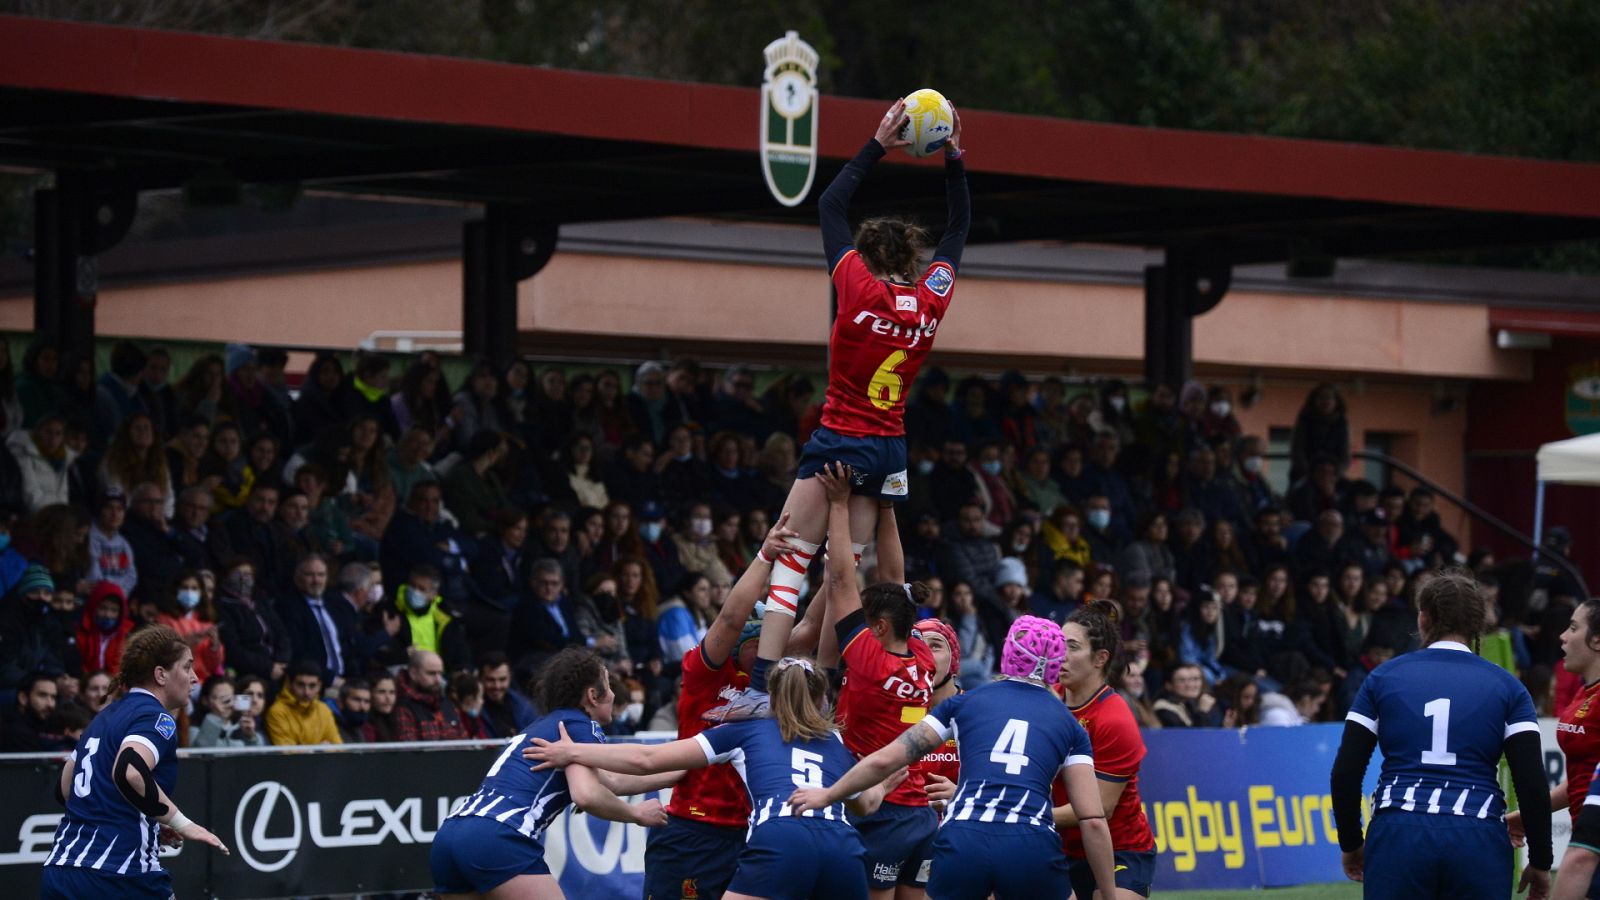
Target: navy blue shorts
point(879, 462)
point(792, 858)
point(1134, 871)
point(972, 859)
point(73, 883)
point(474, 854)
point(1412, 854)
point(899, 842)
point(688, 859)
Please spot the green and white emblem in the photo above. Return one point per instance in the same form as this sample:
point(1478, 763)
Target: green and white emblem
point(789, 119)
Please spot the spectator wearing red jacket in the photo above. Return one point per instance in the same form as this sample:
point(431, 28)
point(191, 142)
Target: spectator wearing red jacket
point(103, 628)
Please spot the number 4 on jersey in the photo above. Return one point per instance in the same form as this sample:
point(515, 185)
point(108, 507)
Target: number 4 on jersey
point(1011, 750)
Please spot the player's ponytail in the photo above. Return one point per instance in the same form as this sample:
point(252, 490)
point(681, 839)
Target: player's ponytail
point(147, 650)
point(896, 604)
point(1099, 620)
point(1454, 606)
point(798, 690)
point(890, 247)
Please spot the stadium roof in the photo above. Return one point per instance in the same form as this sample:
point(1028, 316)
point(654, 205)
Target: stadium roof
point(155, 109)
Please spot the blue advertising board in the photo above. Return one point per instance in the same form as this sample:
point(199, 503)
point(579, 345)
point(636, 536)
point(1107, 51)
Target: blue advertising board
point(1243, 809)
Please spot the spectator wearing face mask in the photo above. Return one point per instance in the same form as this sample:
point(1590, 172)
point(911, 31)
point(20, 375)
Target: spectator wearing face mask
point(999, 506)
point(193, 615)
point(1252, 472)
point(254, 636)
point(954, 484)
point(35, 640)
point(103, 628)
point(467, 694)
point(1100, 529)
point(425, 624)
point(657, 547)
point(355, 707)
point(696, 546)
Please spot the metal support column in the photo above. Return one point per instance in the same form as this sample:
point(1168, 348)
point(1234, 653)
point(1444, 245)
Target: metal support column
point(508, 245)
point(1188, 284)
point(73, 222)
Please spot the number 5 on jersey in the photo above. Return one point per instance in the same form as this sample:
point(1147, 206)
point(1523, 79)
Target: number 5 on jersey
point(886, 387)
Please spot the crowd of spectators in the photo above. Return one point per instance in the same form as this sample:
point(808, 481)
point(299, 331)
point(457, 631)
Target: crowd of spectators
point(379, 555)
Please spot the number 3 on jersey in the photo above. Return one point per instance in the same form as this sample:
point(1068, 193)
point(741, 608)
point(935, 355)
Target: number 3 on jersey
point(886, 387)
point(1011, 750)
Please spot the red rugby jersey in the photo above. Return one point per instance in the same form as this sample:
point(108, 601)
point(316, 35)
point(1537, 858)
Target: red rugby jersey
point(1118, 750)
point(880, 338)
point(944, 761)
point(883, 694)
point(1578, 735)
point(714, 795)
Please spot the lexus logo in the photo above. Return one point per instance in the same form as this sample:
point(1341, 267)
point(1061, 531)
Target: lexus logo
point(255, 810)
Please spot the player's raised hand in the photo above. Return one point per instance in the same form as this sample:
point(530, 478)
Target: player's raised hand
point(551, 754)
point(650, 813)
point(1536, 882)
point(952, 147)
point(1355, 863)
point(835, 479)
point(776, 543)
point(888, 134)
point(806, 799)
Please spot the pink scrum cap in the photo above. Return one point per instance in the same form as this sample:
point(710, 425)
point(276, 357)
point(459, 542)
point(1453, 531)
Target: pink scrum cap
point(1034, 649)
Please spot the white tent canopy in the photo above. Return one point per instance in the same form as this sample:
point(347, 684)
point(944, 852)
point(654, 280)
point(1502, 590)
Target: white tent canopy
point(1572, 461)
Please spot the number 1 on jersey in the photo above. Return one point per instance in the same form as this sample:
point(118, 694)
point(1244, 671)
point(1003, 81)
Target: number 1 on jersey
point(1439, 711)
point(885, 388)
point(1011, 750)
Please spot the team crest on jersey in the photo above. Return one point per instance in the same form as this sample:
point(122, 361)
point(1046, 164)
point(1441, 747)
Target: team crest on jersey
point(1582, 710)
point(598, 732)
point(940, 280)
point(166, 726)
point(689, 890)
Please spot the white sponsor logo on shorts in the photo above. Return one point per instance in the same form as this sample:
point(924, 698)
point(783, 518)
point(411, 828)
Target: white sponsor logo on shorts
point(896, 485)
point(885, 872)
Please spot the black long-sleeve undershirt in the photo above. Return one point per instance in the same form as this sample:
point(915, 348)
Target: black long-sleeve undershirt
point(1523, 755)
point(833, 206)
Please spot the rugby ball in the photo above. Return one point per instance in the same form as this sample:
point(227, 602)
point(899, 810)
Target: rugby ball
point(929, 122)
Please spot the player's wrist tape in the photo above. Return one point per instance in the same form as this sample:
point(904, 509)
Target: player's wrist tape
point(762, 555)
point(179, 822)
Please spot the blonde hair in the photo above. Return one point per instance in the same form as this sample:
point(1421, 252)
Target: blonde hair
point(798, 689)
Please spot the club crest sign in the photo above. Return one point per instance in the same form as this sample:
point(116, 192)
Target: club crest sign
point(789, 119)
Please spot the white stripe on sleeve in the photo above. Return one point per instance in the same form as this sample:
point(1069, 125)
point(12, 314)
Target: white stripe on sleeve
point(939, 728)
point(1520, 727)
point(712, 756)
point(144, 742)
point(1369, 724)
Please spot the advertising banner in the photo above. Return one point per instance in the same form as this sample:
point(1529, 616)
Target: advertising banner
point(1229, 809)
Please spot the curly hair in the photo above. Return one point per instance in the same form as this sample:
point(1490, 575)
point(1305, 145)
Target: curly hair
point(147, 650)
point(567, 678)
point(891, 247)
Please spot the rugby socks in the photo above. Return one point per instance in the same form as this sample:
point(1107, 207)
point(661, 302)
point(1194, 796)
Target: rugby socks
point(758, 674)
point(788, 574)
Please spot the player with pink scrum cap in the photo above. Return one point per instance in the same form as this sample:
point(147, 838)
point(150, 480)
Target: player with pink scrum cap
point(998, 837)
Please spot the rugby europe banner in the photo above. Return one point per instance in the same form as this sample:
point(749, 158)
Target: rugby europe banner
point(1243, 809)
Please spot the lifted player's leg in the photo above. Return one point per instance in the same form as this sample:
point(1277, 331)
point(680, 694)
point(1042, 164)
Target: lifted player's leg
point(807, 509)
